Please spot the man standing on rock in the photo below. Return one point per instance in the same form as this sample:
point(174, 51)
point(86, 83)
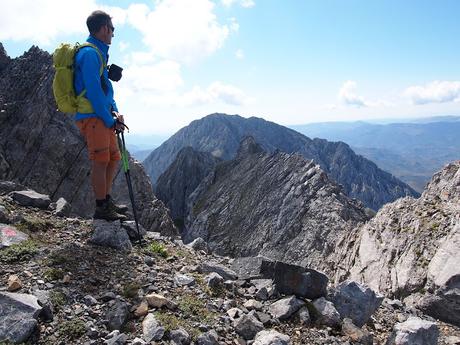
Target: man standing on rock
point(98, 128)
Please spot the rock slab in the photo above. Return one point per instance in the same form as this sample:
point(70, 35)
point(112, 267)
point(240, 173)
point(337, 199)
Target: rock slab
point(18, 316)
point(414, 331)
point(110, 234)
point(355, 301)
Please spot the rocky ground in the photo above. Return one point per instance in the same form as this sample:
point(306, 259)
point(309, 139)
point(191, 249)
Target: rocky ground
point(161, 292)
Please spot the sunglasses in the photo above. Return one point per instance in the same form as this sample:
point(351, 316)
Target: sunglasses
point(111, 27)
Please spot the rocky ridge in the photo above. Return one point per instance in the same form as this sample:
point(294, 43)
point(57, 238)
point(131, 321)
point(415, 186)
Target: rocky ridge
point(274, 204)
point(181, 178)
point(62, 289)
point(42, 149)
point(411, 248)
point(221, 134)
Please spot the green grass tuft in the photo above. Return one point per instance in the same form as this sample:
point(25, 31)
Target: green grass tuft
point(19, 252)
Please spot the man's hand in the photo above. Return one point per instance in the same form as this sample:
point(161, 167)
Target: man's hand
point(120, 121)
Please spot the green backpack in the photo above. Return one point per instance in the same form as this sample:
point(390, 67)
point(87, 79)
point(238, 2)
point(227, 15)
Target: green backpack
point(63, 89)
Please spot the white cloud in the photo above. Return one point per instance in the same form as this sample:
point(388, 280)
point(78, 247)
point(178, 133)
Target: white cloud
point(41, 21)
point(239, 54)
point(434, 92)
point(348, 96)
point(216, 92)
point(180, 30)
point(123, 46)
point(234, 26)
point(164, 76)
point(242, 3)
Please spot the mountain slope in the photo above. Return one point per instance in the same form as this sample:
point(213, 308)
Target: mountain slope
point(220, 135)
point(413, 246)
point(279, 205)
point(42, 148)
point(181, 178)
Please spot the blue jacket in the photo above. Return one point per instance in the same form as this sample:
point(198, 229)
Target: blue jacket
point(87, 68)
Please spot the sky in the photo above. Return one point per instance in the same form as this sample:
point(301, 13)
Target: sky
point(291, 62)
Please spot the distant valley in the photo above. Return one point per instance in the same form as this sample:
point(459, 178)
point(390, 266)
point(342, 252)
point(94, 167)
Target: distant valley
point(412, 151)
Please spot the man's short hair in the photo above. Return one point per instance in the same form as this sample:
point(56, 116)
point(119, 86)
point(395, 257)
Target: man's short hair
point(97, 20)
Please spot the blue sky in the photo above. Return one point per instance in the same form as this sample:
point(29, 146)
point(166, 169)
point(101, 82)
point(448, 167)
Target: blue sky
point(291, 61)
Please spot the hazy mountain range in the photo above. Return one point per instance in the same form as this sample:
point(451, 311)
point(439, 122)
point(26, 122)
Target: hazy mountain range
point(411, 151)
point(221, 134)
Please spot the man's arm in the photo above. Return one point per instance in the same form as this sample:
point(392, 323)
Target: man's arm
point(90, 67)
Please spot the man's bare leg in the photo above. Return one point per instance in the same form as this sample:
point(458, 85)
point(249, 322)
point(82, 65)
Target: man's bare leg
point(99, 179)
point(110, 174)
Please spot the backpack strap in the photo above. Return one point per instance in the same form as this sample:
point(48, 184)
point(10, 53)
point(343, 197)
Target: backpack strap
point(101, 58)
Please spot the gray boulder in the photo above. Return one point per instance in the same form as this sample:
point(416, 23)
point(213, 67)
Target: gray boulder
point(249, 267)
point(444, 304)
point(264, 288)
point(63, 208)
point(444, 275)
point(10, 235)
point(300, 281)
point(131, 229)
point(214, 280)
point(116, 338)
point(4, 217)
point(355, 301)
point(208, 338)
point(271, 337)
point(199, 244)
point(414, 331)
point(248, 326)
point(117, 315)
point(224, 272)
point(31, 198)
point(179, 337)
point(7, 187)
point(151, 329)
point(110, 234)
point(18, 316)
point(356, 334)
point(286, 307)
point(326, 313)
point(183, 279)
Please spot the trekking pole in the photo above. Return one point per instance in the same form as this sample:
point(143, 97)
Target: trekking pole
point(125, 164)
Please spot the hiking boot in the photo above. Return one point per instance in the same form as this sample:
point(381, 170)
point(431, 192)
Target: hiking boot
point(107, 213)
point(115, 207)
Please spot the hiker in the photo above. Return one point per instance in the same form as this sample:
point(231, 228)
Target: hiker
point(98, 127)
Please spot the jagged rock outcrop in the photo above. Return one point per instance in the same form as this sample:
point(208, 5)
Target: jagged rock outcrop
point(220, 135)
point(278, 205)
point(182, 177)
point(413, 246)
point(42, 148)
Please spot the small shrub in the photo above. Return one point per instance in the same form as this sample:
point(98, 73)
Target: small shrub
point(156, 248)
point(171, 322)
point(54, 274)
point(130, 290)
point(192, 306)
point(34, 224)
point(57, 299)
point(56, 259)
point(19, 252)
point(73, 329)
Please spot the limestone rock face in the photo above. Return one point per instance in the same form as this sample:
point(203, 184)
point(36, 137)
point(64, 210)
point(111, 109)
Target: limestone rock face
point(221, 134)
point(42, 148)
point(278, 205)
point(413, 246)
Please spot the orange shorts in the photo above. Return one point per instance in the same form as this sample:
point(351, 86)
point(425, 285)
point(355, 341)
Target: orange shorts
point(100, 140)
